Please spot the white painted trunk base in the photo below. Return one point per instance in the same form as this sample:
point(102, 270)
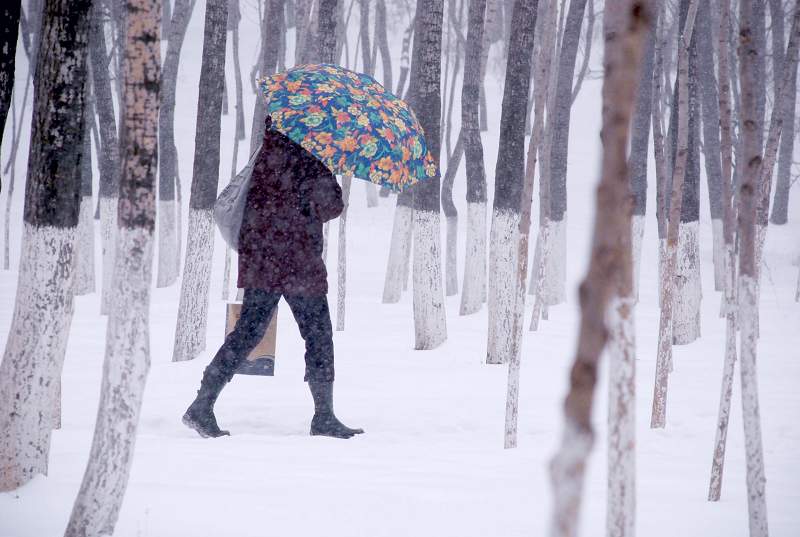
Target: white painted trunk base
point(190, 330)
point(430, 323)
point(84, 255)
point(567, 471)
point(399, 251)
point(688, 290)
point(168, 255)
point(662, 266)
point(451, 257)
point(341, 254)
point(125, 368)
point(637, 235)
point(372, 194)
point(538, 276)
point(756, 481)
point(556, 270)
point(473, 291)
point(34, 353)
point(108, 241)
point(503, 266)
point(621, 495)
point(718, 254)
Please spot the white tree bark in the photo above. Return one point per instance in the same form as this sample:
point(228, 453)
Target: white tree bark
point(473, 293)
point(190, 330)
point(556, 270)
point(168, 258)
point(637, 234)
point(108, 241)
point(84, 260)
point(399, 254)
point(718, 254)
point(341, 273)
point(451, 260)
point(372, 194)
point(431, 329)
point(503, 263)
point(688, 290)
point(34, 354)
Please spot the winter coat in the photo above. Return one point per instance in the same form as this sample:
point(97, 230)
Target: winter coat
point(280, 242)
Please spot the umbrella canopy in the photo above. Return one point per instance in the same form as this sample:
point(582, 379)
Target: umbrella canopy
point(350, 123)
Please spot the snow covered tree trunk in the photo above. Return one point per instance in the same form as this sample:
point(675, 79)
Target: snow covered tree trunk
point(610, 272)
point(509, 196)
point(168, 251)
point(8, 51)
point(127, 358)
point(34, 353)
point(399, 250)
point(473, 290)
point(556, 264)
point(84, 259)
point(190, 330)
point(109, 165)
point(668, 276)
point(341, 273)
point(711, 144)
point(430, 325)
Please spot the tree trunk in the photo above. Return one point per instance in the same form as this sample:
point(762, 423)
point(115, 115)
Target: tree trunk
point(383, 43)
point(665, 328)
point(127, 358)
point(509, 193)
point(270, 46)
point(190, 330)
point(556, 268)
point(610, 267)
point(473, 291)
point(451, 216)
point(368, 68)
point(399, 250)
point(341, 250)
point(168, 251)
point(108, 190)
point(84, 258)
point(327, 36)
point(405, 60)
point(8, 51)
point(430, 326)
point(34, 353)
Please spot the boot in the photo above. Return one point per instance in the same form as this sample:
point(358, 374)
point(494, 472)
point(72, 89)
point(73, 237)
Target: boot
point(200, 414)
point(324, 422)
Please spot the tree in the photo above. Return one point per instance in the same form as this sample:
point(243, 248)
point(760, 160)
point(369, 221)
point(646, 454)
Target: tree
point(270, 45)
point(8, 51)
point(84, 261)
point(168, 241)
point(556, 262)
point(190, 330)
point(368, 67)
point(473, 291)
point(610, 265)
point(430, 326)
point(39, 330)
point(127, 358)
point(508, 190)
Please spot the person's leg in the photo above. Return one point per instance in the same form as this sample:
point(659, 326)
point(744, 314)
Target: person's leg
point(257, 309)
point(314, 321)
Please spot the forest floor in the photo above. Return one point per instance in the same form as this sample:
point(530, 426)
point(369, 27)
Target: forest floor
point(432, 461)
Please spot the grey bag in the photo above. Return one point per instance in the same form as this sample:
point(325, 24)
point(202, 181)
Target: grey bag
point(229, 207)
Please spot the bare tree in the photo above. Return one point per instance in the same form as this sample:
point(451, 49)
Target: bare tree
point(37, 339)
point(127, 358)
point(382, 39)
point(84, 258)
point(168, 241)
point(509, 192)
point(270, 46)
point(473, 291)
point(430, 326)
point(368, 68)
point(8, 51)
point(610, 265)
point(665, 327)
point(190, 329)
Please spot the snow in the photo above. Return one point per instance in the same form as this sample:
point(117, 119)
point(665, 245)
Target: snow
point(432, 461)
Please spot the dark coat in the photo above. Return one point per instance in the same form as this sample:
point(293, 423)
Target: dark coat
point(280, 242)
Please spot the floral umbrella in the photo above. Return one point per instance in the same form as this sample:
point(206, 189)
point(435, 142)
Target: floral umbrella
point(350, 123)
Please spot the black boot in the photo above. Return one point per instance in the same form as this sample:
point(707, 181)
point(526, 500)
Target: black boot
point(324, 422)
point(200, 414)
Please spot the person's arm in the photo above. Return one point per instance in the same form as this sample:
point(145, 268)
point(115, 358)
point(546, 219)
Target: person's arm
point(326, 196)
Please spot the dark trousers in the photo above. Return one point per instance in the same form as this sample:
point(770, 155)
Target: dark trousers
point(312, 316)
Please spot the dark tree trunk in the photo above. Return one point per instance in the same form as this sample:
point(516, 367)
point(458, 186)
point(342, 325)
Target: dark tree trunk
point(383, 42)
point(270, 46)
point(508, 188)
point(84, 263)
point(190, 332)
point(34, 353)
point(425, 99)
point(363, 32)
point(168, 251)
point(234, 18)
point(640, 129)
point(326, 31)
point(405, 60)
point(8, 51)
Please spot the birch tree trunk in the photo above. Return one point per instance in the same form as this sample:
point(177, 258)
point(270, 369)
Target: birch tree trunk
point(341, 273)
point(665, 327)
point(108, 191)
point(127, 358)
point(34, 353)
point(399, 250)
point(84, 259)
point(168, 250)
point(749, 53)
point(430, 325)
point(190, 329)
point(473, 290)
point(610, 265)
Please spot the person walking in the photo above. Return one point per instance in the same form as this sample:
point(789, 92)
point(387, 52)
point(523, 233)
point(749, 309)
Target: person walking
point(280, 255)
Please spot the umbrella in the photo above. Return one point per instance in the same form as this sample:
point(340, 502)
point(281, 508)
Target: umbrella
point(351, 123)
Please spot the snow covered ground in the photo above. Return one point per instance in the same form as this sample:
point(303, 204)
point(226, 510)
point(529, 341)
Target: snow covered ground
point(432, 462)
